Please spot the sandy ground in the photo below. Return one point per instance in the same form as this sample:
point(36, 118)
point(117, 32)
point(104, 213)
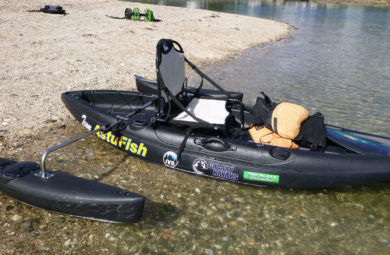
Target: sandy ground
point(43, 55)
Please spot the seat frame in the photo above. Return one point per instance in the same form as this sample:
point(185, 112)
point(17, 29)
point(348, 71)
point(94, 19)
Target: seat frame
point(165, 46)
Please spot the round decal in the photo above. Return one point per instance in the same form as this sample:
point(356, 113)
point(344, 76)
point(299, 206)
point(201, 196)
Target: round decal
point(199, 165)
point(170, 159)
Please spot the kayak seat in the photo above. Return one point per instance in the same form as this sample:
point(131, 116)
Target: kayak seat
point(181, 106)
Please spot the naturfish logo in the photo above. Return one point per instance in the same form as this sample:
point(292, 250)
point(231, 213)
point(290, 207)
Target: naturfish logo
point(123, 142)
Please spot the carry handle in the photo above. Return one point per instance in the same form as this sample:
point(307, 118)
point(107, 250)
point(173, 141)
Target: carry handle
point(215, 144)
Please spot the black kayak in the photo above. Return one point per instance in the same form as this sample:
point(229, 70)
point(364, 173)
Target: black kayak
point(205, 132)
point(350, 157)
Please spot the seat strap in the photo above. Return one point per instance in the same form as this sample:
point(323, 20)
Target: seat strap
point(207, 78)
point(183, 143)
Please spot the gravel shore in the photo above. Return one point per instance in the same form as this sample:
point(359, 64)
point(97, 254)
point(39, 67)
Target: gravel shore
point(43, 55)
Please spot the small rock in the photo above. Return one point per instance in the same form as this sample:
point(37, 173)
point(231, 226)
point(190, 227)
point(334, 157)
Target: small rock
point(67, 242)
point(234, 224)
point(197, 190)
point(26, 132)
point(110, 237)
point(28, 226)
point(209, 251)
point(218, 247)
point(16, 217)
point(43, 227)
point(251, 241)
point(58, 219)
point(204, 225)
point(192, 203)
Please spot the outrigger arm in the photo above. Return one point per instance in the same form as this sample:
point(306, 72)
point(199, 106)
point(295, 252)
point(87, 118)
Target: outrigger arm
point(105, 128)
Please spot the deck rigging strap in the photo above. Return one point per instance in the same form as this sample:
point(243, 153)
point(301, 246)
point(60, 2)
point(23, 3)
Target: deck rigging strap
point(183, 143)
point(229, 96)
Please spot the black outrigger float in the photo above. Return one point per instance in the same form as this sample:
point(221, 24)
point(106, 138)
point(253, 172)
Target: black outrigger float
point(185, 128)
point(64, 193)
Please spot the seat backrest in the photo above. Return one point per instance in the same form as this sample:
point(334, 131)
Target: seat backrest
point(170, 66)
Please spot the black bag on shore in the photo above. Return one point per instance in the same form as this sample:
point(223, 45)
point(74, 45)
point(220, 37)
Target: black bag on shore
point(51, 9)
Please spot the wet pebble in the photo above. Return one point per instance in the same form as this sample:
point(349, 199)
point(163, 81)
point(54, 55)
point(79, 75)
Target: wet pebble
point(16, 217)
point(28, 226)
point(234, 224)
point(43, 227)
point(204, 225)
point(192, 203)
point(67, 243)
point(9, 208)
point(110, 237)
point(209, 251)
point(58, 219)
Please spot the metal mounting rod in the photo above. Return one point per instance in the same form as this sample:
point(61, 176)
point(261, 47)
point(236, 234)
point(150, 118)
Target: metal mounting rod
point(43, 175)
point(107, 127)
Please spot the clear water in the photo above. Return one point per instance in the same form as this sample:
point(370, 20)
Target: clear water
point(336, 61)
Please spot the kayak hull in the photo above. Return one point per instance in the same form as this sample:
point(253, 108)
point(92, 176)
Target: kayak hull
point(221, 158)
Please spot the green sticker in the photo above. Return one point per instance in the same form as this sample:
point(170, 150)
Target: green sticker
point(260, 177)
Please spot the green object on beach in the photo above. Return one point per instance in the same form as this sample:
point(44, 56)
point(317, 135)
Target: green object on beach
point(136, 14)
point(148, 15)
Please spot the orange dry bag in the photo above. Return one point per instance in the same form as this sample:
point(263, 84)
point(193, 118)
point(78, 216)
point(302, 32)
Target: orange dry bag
point(261, 134)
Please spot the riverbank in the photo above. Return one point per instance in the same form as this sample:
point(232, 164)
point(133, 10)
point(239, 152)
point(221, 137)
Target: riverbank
point(43, 55)
point(374, 3)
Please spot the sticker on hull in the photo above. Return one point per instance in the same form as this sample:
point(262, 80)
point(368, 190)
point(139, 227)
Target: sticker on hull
point(202, 166)
point(123, 142)
point(260, 177)
point(170, 159)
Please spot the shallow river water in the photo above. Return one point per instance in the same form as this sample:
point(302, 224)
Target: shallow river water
point(336, 61)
